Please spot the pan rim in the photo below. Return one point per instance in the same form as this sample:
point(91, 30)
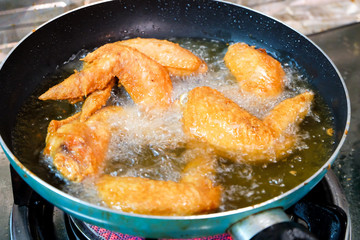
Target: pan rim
point(319, 172)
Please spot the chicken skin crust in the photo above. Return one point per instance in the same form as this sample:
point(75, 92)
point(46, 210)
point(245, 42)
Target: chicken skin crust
point(147, 82)
point(193, 194)
point(177, 60)
point(95, 101)
point(211, 117)
point(256, 71)
point(78, 149)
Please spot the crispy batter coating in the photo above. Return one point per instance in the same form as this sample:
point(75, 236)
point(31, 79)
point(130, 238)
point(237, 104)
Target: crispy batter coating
point(78, 149)
point(177, 60)
point(92, 77)
point(147, 82)
point(291, 111)
point(256, 71)
point(95, 101)
point(211, 117)
point(193, 194)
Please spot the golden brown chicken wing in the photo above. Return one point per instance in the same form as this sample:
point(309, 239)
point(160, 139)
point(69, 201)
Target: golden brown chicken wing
point(147, 82)
point(291, 111)
point(211, 117)
point(255, 70)
point(78, 149)
point(177, 60)
point(92, 77)
point(193, 194)
point(95, 101)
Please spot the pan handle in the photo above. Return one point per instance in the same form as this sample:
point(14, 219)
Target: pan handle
point(272, 224)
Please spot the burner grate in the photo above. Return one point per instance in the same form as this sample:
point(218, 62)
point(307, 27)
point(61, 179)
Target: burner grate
point(105, 234)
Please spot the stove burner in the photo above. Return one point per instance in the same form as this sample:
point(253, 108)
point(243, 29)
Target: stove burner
point(324, 211)
point(94, 232)
point(97, 233)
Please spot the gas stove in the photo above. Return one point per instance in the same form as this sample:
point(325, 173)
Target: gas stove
point(329, 210)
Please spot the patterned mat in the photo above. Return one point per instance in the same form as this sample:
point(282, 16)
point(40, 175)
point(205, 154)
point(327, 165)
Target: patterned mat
point(109, 235)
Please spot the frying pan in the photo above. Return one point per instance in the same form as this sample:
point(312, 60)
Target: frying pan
point(43, 50)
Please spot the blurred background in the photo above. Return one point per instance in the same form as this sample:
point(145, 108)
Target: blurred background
point(19, 17)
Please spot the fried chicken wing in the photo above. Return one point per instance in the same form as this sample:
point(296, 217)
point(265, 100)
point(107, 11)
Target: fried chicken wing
point(92, 77)
point(289, 112)
point(78, 149)
point(95, 101)
point(177, 60)
point(193, 194)
point(256, 71)
point(211, 117)
point(147, 82)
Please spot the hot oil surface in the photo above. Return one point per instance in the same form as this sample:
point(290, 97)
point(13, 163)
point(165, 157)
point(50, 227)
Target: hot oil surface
point(155, 147)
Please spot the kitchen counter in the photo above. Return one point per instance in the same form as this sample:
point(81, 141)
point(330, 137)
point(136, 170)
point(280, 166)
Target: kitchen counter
point(342, 45)
point(6, 198)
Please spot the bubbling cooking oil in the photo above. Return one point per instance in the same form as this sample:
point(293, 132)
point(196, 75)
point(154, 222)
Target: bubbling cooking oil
point(154, 146)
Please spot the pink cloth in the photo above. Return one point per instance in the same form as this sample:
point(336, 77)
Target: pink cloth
point(109, 235)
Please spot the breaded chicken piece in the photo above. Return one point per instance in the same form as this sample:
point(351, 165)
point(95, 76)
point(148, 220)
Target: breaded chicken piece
point(147, 82)
point(193, 194)
point(78, 149)
point(211, 117)
point(95, 101)
point(291, 111)
point(94, 76)
point(256, 71)
point(54, 125)
point(177, 60)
